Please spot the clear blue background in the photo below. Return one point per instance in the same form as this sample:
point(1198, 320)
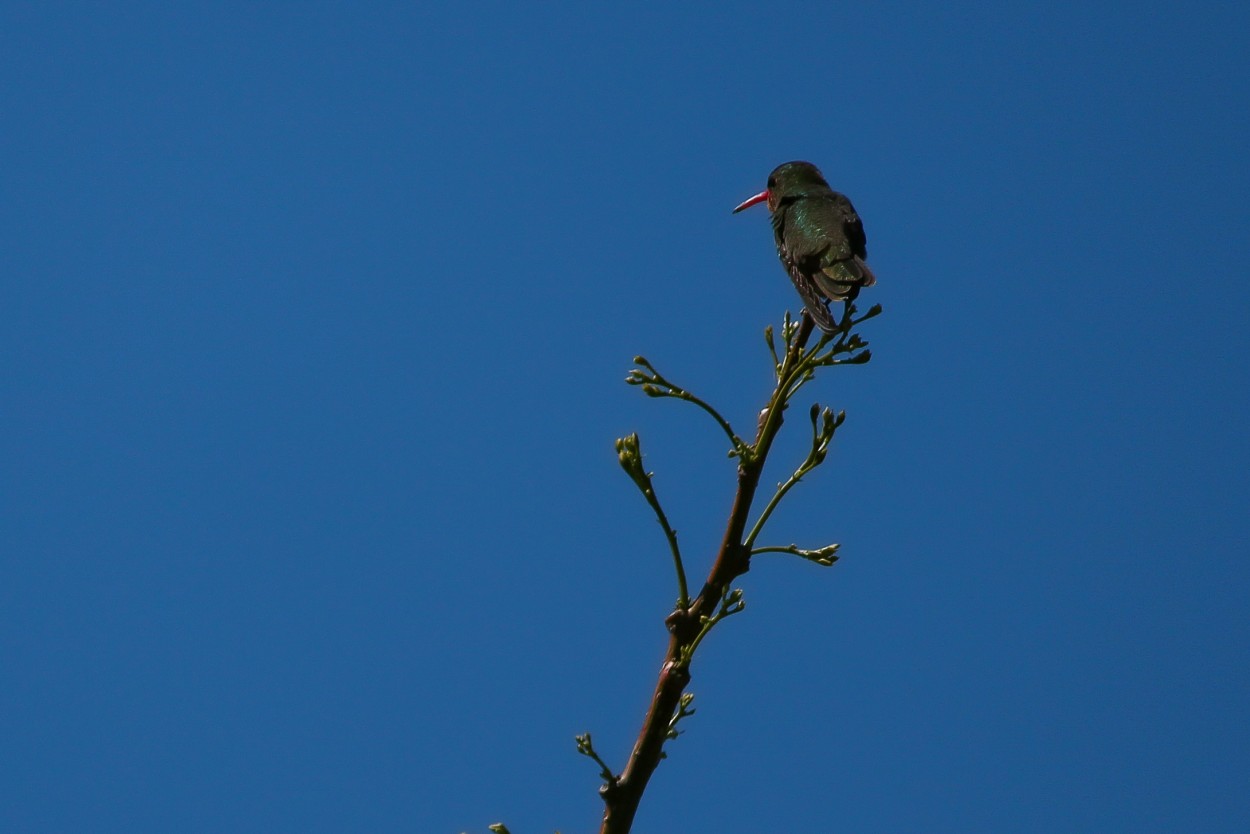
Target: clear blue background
point(315, 320)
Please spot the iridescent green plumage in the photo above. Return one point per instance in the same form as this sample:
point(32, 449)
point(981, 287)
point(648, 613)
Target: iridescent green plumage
point(820, 238)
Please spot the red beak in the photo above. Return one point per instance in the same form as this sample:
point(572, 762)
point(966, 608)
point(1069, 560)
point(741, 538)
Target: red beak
point(758, 198)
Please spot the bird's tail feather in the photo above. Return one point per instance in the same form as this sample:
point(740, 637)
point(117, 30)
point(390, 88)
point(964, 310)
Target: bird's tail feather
point(842, 280)
point(813, 301)
point(869, 277)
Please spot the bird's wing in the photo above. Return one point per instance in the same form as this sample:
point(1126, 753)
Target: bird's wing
point(826, 240)
point(824, 227)
point(852, 226)
point(842, 268)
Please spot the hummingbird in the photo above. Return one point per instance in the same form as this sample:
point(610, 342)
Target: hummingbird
point(820, 238)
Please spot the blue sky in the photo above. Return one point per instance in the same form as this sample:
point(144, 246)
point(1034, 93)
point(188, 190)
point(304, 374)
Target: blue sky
point(315, 321)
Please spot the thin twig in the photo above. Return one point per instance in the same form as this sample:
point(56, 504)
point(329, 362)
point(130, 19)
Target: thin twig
point(654, 384)
point(629, 452)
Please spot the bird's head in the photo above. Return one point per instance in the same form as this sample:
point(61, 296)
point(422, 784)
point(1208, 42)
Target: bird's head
point(787, 180)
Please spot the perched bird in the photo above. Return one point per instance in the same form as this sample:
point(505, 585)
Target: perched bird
point(820, 238)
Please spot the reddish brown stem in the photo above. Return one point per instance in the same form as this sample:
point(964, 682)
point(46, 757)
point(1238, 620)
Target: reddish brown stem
point(623, 794)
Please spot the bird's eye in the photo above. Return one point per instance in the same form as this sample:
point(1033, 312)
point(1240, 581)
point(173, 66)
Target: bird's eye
point(772, 182)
